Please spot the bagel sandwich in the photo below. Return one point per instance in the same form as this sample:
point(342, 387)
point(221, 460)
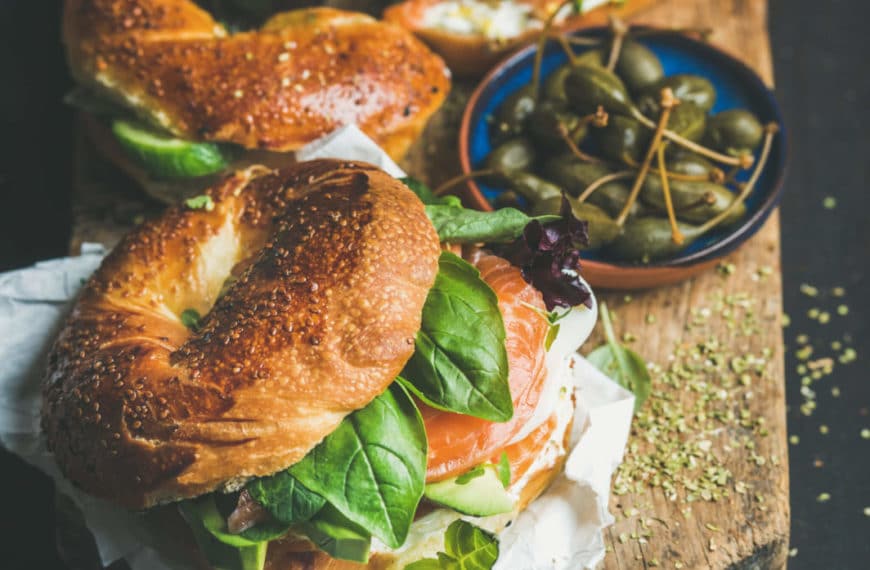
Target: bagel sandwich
point(177, 99)
point(322, 366)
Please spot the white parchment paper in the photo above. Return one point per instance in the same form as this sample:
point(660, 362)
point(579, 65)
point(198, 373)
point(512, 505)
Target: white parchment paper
point(559, 531)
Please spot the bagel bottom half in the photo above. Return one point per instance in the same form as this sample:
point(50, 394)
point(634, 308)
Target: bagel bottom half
point(175, 540)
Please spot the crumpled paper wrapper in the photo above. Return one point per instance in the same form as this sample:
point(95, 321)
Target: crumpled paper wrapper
point(562, 530)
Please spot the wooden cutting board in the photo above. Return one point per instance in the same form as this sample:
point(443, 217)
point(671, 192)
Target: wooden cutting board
point(748, 526)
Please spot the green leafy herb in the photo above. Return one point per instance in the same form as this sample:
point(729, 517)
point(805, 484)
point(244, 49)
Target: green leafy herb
point(246, 551)
point(552, 333)
point(621, 363)
point(202, 202)
point(460, 362)
point(461, 225)
point(285, 497)
point(191, 319)
point(468, 476)
point(372, 468)
point(504, 470)
point(467, 548)
point(427, 196)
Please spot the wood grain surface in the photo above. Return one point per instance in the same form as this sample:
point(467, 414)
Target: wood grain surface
point(742, 529)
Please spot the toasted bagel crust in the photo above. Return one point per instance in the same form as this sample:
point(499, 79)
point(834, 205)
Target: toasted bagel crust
point(332, 262)
point(302, 75)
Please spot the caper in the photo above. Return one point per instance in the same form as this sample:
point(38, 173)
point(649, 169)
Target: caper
point(688, 120)
point(623, 136)
point(531, 187)
point(689, 163)
point(594, 57)
point(554, 85)
point(513, 112)
point(638, 66)
point(650, 238)
point(574, 176)
point(508, 199)
point(693, 201)
point(687, 88)
point(589, 87)
point(734, 132)
point(544, 124)
point(602, 228)
point(514, 154)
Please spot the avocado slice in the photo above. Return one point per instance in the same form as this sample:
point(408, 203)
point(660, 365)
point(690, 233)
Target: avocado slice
point(479, 493)
point(222, 550)
point(336, 535)
point(165, 156)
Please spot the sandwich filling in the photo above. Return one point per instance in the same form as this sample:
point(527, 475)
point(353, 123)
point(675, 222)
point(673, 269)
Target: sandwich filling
point(472, 428)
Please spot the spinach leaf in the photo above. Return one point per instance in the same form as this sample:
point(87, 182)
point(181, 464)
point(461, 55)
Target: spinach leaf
point(460, 361)
point(467, 548)
point(426, 195)
point(461, 225)
point(372, 468)
point(621, 363)
point(285, 497)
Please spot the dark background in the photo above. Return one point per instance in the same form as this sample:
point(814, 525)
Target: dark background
point(822, 63)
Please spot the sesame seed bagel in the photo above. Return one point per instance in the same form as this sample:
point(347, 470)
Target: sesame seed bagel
point(311, 282)
point(300, 76)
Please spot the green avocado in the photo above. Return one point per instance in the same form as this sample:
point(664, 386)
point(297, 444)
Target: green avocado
point(339, 537)
point(479, 493)
point(164, 156)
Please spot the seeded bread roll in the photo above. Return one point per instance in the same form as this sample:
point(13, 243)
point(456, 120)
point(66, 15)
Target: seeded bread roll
point(311, 280)
point(302, 75)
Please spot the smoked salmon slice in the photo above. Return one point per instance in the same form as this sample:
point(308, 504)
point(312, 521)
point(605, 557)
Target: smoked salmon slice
point(458, 442)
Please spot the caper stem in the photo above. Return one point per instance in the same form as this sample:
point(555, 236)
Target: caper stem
point(704, 33)
point(575, 150)
point(539, 51)
point(676, 234)
point(598, 118)
point(619, 30)
point(707, 198)
point(445, 186)
point(713, 176)
point(667, 103)
point(573, 40)
point(602, 181)
point(744, 161)
point(566, 47)
point(731, 175)
point(770, 131)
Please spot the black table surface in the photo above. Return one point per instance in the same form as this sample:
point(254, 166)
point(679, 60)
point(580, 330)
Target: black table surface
point(823, 83)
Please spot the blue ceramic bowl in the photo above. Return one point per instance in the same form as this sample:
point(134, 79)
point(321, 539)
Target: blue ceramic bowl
point(736, 86)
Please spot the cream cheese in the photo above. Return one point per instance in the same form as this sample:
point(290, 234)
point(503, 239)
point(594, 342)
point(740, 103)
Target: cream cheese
point(494, 20)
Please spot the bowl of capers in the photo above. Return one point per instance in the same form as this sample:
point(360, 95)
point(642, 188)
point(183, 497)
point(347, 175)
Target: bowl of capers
point(670, 149)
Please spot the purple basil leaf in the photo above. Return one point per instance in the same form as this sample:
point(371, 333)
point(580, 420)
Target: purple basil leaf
point(548, 255)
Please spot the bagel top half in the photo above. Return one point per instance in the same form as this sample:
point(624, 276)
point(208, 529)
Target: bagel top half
point(300, 76)
point(311, 280)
